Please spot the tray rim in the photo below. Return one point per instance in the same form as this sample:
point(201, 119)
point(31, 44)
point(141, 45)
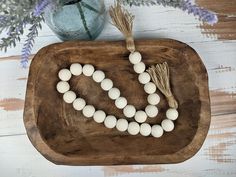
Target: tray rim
point(41, 146)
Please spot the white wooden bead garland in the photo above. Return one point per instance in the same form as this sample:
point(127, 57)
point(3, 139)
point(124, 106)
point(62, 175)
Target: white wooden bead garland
point(129, 111)
point(159, 75)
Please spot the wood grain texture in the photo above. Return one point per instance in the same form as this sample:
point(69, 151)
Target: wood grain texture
point(12, 104)
point(222, 103)
point(18, 156)
point(226, 11)
point(82, 143)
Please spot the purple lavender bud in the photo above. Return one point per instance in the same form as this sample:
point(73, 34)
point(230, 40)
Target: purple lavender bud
point(26, 51)
point(39, 8)
point(203, 14)
point(2, 19)
point(24, 63)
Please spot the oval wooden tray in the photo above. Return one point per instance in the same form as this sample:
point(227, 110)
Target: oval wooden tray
point(64, 136)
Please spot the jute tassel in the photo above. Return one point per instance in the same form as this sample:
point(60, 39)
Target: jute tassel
point(123, 20)
point(160, 76)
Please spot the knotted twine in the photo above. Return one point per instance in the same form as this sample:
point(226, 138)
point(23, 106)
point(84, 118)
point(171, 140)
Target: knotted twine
point(160, 75)
point(123, 20)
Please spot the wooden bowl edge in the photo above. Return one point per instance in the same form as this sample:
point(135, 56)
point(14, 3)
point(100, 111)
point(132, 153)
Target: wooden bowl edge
point(38, 142)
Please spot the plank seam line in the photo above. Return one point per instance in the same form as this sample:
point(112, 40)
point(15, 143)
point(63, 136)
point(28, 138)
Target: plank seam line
point(223, 114)
point(19, 134)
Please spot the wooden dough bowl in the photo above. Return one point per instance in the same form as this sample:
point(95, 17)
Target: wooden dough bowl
point(64, 136)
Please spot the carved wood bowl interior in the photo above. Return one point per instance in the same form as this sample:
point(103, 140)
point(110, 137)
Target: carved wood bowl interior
point(63, 136)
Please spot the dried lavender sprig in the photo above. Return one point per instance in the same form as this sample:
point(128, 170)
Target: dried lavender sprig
point(26, 51)
point(203, 14)
point(39, 8)
point(27, 48)
point(14, 30)
point(13, 12)
point(3, 20)
point(13, 35)
point(13, 19)
point(185, 5)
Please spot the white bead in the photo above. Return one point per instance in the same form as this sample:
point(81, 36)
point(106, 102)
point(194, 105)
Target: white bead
point(88, 70)
point(63, 87)
point(139, 67)
point(172, 114)
point(122, 125)
point(129, 111)
point(76, 69)
point(157, 131)
point(133, 128)
point(121, 102)
point(140, 116)
point(69, 96)
point(151, 111)
point(145, 129)
point(150, 88)
point(153, 99)
point(167, 125)
point(110, 121)
point(99, 116)
point(64, 74)
point(135, 57)
point(106, 84)
point(98, 76)
point(88, 111)
point(114, 93)
point(144, 78)
point(79, 104)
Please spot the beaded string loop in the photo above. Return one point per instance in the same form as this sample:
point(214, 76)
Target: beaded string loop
point(159, 75)
point(123, 20)
point(129, 111)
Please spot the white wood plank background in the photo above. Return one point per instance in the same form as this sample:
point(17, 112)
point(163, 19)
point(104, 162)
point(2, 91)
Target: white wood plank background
point(217, 157)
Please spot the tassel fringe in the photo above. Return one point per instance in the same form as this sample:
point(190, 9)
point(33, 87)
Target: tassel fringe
point(123, 20)
point(161, 77)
